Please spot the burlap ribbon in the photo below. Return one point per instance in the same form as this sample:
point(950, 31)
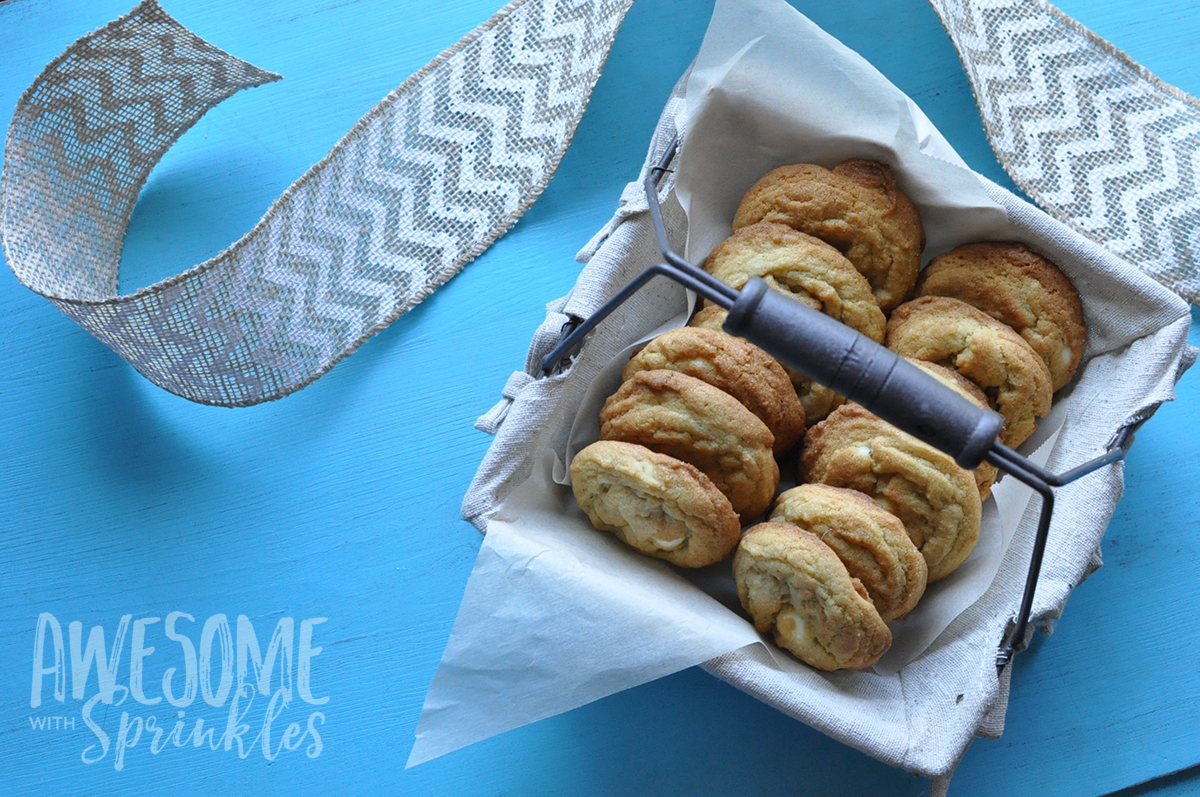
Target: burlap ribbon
point(1094, 138)
point(444, 165)
point(423, 183)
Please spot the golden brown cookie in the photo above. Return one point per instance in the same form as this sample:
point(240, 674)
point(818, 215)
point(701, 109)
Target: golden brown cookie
point(686, 418)
point(985, 474)
point(857, 208)
point(794, 586)
point(808, 270)
point(657, 504)
point(711, 317)
point(816, 399)
point(989, 353)
point(935, 499)
point(800, 266)
point(1021, 289)
point(870, 541)
point(736, 366)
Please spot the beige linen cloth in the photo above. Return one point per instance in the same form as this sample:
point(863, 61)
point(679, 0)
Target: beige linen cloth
point(923, 717)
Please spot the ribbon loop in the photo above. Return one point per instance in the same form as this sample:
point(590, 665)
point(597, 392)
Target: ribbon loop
point(419, 187)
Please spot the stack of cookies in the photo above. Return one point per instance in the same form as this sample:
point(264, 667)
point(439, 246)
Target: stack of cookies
point(688, 446)
point(692, 439)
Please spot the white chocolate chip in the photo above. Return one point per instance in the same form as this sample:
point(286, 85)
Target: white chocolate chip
point(791, 625)
point(1064, 357)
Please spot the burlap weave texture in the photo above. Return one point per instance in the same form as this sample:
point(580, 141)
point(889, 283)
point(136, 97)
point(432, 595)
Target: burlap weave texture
point(422, 184)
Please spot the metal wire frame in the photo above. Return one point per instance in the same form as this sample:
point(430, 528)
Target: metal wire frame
point(1006, 459)
point(1044, 483)
point(674, 267)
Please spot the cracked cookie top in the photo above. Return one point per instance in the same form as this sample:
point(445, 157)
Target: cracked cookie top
point(656, 504)
point(870, 541)
point(857, 208)
point(936, 500)
point(795, 587)
point(1021, 289)
point(735, 366)
point(800, 266)
point(986, 351)
point(686, 418)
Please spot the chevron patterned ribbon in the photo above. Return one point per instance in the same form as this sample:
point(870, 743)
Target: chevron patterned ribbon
point(444, 165)
point(1091, 136)
point(421, 185)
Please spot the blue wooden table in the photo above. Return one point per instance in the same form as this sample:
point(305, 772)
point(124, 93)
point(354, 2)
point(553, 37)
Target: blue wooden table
point(338, 507)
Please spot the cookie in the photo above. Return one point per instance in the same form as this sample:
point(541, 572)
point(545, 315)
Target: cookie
point(795, 587)
point(857, 208)
point(802, 267)
point(870, 541)
point(989, 353)
point(1021, 289)
point(711, 317)
point(735, 366)
point(816, 399)
point(686, 418)
point(936, 500)
point(657, 504)
point(985, 474)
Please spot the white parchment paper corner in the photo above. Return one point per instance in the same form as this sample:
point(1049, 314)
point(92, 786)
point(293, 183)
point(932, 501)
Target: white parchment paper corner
point(557, 615)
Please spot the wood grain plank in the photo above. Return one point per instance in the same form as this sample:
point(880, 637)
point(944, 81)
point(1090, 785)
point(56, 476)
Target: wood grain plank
point(342, 501)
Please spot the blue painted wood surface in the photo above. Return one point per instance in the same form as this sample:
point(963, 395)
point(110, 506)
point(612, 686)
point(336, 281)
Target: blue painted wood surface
point(342, 501)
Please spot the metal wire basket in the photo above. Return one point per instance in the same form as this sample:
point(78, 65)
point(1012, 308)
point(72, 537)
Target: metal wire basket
point(837, 356)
